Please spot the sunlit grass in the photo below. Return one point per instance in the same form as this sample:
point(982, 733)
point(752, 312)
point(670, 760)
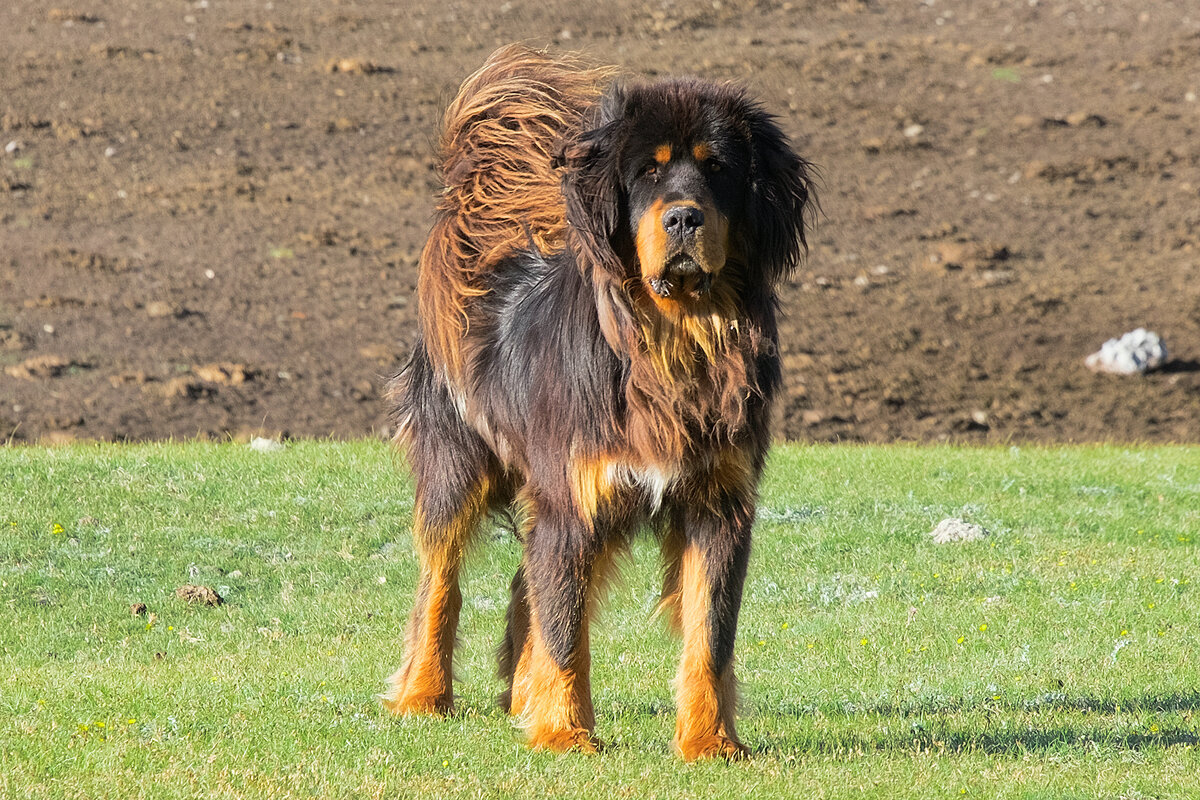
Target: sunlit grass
point(1057, 658)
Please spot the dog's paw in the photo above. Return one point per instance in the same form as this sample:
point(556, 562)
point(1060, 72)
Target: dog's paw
point(576, 739)
point(713, 746)
point(406, 705)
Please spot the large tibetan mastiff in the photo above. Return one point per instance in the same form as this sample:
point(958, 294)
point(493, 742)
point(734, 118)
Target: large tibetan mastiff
point(598, 355)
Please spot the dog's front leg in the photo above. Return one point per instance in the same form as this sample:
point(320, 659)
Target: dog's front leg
point(710, 573)
point(555, 686)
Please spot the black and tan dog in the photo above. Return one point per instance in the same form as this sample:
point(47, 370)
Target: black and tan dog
point(598, 352)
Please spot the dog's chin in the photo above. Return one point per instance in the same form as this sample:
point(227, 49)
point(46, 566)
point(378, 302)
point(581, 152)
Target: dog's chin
point(682, 279)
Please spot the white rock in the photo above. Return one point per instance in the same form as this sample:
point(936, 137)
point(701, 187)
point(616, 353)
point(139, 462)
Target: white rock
point(12, 146)
point(955, 530)
point(1132, 354)
point(261, 445)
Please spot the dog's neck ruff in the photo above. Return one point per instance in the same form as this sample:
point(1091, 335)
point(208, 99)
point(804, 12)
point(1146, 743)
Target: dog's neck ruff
point(692, 375)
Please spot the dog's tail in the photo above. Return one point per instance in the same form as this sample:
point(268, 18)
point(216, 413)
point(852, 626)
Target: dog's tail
point(501, 190)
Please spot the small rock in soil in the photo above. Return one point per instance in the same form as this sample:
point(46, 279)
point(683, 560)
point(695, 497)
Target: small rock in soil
point(995, 277)
point(1134, 353)
point(158, 308)
point(260, 445)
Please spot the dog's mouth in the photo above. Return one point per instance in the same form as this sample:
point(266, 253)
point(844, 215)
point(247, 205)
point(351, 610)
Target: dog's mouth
point(682, 277)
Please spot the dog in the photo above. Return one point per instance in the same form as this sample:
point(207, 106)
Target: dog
point(597, 356)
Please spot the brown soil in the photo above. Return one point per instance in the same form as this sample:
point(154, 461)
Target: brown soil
point(210, 220)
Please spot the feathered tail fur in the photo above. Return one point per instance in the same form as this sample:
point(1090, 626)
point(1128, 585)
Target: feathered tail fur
point(502, 192)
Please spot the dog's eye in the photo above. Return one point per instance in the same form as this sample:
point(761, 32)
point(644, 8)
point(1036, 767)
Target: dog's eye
point(650, 170)
point(712, 165)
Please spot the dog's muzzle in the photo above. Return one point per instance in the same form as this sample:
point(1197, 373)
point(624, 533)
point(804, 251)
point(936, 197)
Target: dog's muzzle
point(682, 247)
point(683, 276)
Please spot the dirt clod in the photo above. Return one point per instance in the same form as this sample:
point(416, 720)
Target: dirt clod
point(358, 66)
point(181, 387)
point(37, 367)
point(966, 255)
point(11, 340)
point(224, 374)
point(71, 15)
point(203, 595)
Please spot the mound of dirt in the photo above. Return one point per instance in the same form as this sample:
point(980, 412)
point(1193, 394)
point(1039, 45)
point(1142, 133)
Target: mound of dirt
point(210, 217)
point(201, 595)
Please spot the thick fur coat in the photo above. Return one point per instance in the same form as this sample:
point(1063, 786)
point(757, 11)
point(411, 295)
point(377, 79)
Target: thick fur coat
point(597, 353)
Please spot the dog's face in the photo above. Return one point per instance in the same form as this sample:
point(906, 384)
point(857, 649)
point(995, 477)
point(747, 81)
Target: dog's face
point(681, 192)
point(684, 182)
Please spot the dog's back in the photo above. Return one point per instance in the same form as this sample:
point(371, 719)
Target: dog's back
point(501, 193)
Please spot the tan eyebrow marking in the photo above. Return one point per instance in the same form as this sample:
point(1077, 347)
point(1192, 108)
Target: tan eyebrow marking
point(662, 153)
point(702, 151)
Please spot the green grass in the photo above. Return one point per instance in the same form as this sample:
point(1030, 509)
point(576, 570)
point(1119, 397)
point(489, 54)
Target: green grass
point(1059, 658)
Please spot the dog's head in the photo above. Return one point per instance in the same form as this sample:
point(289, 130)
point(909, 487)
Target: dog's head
point(682, 184)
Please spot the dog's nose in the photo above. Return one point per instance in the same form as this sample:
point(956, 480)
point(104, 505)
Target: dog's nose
point(682, 220)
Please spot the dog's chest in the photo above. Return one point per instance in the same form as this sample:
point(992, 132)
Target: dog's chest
point(652, 482)
point(649, 485)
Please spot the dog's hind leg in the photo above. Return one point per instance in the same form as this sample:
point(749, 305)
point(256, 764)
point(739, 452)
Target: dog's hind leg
point(444, 518)
point(513, 655)
point(457, 481)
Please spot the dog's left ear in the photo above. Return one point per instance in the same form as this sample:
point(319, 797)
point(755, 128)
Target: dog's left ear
point(782, 198)
point(591, 183)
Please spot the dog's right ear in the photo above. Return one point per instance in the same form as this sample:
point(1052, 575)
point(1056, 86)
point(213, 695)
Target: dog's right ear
point(591, 184)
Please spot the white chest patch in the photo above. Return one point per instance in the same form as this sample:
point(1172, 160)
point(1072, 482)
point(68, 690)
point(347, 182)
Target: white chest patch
point(654, 481)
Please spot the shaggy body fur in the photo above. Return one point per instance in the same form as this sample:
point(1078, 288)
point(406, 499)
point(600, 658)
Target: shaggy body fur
point(597, 351)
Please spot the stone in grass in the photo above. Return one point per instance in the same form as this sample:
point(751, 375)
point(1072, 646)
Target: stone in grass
point(953, 530)
point(203, 595)
point(1132, 354)
point(261, 445)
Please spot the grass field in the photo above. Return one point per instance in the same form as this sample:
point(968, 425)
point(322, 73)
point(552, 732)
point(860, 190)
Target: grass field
point(1058, 658)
